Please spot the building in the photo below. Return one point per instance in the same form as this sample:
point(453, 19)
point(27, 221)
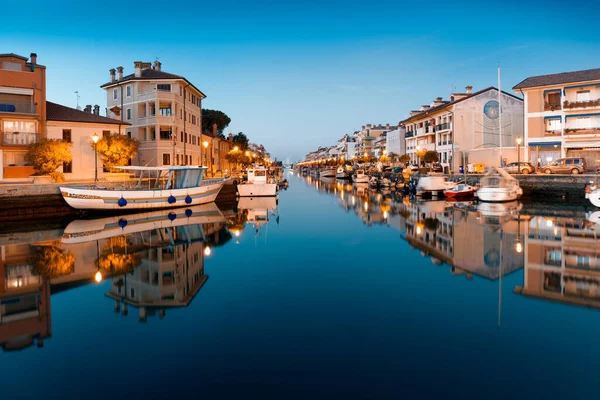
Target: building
point(562, 117)
point(78, 127)
point(164, 110)
point(395, 141)
point(22, 111)
point(367, 136)
point(465, 128)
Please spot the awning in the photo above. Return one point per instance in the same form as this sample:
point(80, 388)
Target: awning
point(542, 144)
point(578, 145)
point(581, 115)
point(554, 117)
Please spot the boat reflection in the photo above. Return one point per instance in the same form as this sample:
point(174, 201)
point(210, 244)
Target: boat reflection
point(154, 260)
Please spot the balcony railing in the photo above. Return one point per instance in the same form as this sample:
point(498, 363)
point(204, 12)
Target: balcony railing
point(552, 132)
point(409, 134)
point(444, 126)
point(551, 106)
point(19, 138)
point(15, 107)
point(581, 104)
point(581, 131)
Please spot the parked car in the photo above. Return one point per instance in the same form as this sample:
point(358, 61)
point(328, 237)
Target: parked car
point(569, 165)
point(525, 167)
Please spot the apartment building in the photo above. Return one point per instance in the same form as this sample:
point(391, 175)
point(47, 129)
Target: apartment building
point(562, 116)
point(395, 141)
point(22, 111)
point(164, 110)
point(466, 128)
point(367, 136)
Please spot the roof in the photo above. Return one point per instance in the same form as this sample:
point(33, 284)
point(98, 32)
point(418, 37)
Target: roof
point(14, 55)
point(57, 112)
point(451, 103)
point(557, 79)
point(150, 74)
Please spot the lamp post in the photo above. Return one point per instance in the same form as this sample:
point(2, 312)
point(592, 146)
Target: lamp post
point(519, 140)
point(95, 139)
point(205, 144)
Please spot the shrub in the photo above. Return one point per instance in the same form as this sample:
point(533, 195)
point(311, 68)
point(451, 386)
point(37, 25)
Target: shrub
point(47, 155)
point(116, 150)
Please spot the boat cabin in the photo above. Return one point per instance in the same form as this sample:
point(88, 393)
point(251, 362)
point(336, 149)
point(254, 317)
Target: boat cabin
point(257, 175)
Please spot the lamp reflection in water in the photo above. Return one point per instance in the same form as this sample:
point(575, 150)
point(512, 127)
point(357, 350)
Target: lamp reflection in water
point(207, 251)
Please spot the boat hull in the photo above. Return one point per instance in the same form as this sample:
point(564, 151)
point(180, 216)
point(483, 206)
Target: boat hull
point(594, 197)
point(257, 190)
point(342, 175)
point(328, 173)
point(497, 195)
point(114, 199)
point(361, 179)
point(466, 193)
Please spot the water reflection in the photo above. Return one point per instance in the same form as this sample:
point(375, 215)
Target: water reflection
point(557, 245)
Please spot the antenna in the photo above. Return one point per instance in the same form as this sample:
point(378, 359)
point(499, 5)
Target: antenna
point(77, 94)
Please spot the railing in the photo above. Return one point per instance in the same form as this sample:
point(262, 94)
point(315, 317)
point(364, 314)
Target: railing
point(444, 126)
point(551, 107)
point(552, 132)
point(19, 138)
point(581, 104)
point(581, 131)
point(15, 107)
point(420, 131)
point(409, 134)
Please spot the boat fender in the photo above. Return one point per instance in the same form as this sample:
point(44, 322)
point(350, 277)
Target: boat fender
point(188, 213)
point(171, 199)
point(172, 216)
point(122, 202)
point(122, 223)
point(188, 199)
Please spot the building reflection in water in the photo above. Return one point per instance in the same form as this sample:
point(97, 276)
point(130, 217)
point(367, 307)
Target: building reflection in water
point(562, 261)
point(154, 261)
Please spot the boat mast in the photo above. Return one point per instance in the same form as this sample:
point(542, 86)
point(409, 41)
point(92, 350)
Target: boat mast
point(500, 115)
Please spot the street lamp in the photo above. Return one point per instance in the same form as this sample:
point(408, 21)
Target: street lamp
point(205, 144)
point(519, 141)
point(95, 139)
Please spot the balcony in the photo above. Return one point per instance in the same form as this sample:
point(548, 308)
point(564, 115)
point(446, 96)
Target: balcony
point(582, 131)
point(409, 134)
point(19, 138)
point(443, 127)
point(568, 105)
point(16, 108)
point(552, 132)
point(420, 131)
point(151, 95)
point(551, 106)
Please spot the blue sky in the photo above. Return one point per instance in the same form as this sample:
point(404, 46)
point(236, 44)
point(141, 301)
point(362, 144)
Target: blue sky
point(296, 75)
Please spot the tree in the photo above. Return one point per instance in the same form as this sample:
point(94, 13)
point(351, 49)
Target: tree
point(431, 157)
point(47, 155)
point(210, 117)
point(404, 158)
point(238, 157)
point(116, 150)
point(51, 261)
point(241, 141)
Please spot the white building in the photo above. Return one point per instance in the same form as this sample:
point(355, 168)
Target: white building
point(78, 127)
point(165, 112)
point(395, 141)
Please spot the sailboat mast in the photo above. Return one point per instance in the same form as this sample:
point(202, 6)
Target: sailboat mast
point(500, 115)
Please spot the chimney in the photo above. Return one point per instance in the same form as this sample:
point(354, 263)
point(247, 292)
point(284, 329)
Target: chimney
point(387, 126)
point(88, 109)
point(438, 99)
point(214, 130)
point(157, 65)
point(469, 89)
point(120, 73)
point(112, 74)
point(230, 137)
point(137, 68)
point(33, 58)
point(96, 109)
point(362, 128)
point(369, 126)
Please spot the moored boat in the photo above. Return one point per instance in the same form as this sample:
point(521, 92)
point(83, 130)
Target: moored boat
point(177, 186)
point(342, 174)
point(433, 185)
point(460, 190)
point(360, 176)
point(592, 193)
point(257, 184)
point(328, 173)
point(499, 186)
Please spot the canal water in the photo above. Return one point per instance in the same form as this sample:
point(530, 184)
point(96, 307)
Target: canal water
point(332, 291)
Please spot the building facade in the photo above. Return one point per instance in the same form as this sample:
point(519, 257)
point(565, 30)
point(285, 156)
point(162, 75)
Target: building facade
point(22, 111)
point(78, 127)
point(366, 137)
point(164, 110)
point(395, 141)
point(562, 116)
point(466, 128)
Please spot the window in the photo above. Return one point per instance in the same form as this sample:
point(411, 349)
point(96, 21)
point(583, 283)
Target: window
point(583, 122)
point(68, 167)
point(105, 133)
point(554, 124)
point(166, 159)
point(181, 135)
point(180, 90)
point(115, 94)
point(129, 114)
point(554, 99)
point(165, 111)
point(128, 90)
point(583, 261)
point(165, 134)
point(153, 135)
point(553, 257)
point(569, 162)
point(163, 87)
point(185, 115)
point(584, 95)
point(145, 136)
point(180, 114)
point(153, 110)
point(66, 135)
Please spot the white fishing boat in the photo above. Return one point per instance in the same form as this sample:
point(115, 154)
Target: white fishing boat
point(170, 187)
point(433, 185)
point(499, 186)
point(360, 176)
point(592, 193)
point(258, 210)
point(341, 173)
point(257, 184)
point(328, 173)
point(86, 230)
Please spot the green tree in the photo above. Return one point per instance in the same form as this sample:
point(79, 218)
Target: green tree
point(431, 157)
point(47, 155)
point(240, 140)
point(210, 117)
point(116, 150)
point(238, 157)
point(404, 158)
